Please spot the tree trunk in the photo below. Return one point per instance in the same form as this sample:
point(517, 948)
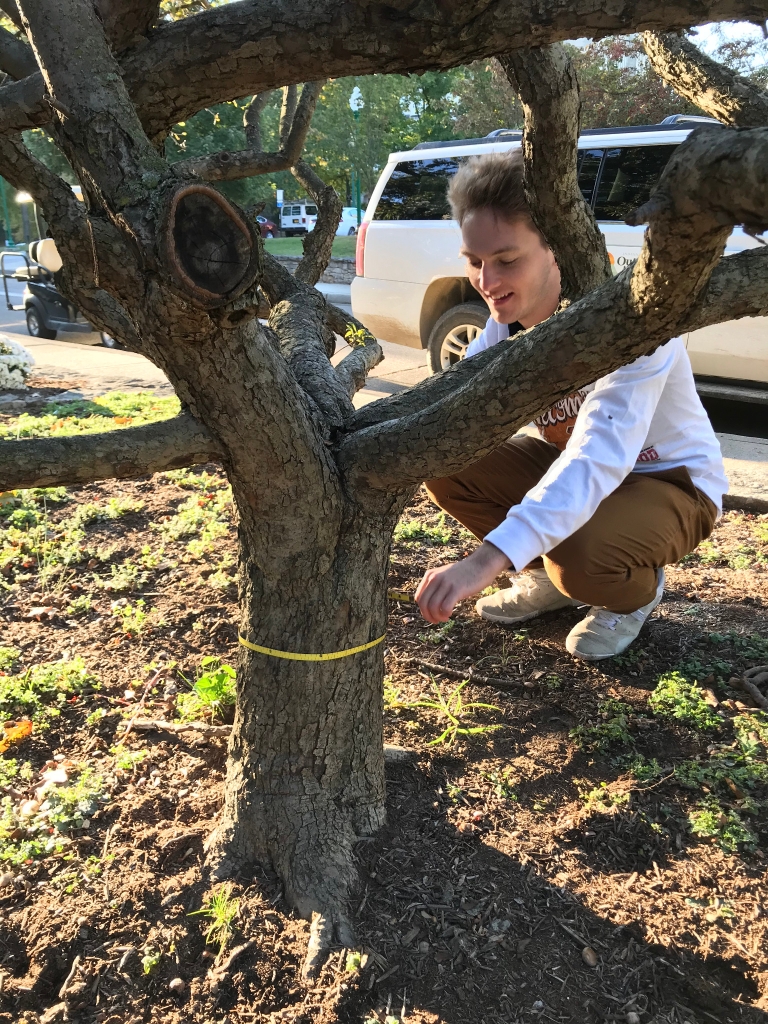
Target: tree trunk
point(306, 770)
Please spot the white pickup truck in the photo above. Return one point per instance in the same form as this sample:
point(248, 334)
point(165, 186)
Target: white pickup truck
point(411, 287)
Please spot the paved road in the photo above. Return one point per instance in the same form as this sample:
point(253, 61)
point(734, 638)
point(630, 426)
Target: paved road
point(742, 430)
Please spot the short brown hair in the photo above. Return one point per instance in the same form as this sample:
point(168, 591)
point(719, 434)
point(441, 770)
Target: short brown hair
point(493, 181)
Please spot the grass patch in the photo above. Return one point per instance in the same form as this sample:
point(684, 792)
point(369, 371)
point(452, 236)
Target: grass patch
point(711, 821)
point(202, 517)
point(221, 910)
point(343, 245)
point(416, 530)
point(454, 711)
point(108, 412)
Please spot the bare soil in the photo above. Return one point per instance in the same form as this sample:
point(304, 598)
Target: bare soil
point(500, 890)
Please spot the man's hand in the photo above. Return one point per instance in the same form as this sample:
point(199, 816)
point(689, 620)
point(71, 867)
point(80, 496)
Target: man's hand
point(442, 588)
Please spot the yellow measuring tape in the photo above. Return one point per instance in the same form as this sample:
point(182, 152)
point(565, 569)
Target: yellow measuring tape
point(309, 657)
point(393, 595)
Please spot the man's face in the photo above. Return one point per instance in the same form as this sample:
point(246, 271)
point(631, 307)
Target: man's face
point(511, 266)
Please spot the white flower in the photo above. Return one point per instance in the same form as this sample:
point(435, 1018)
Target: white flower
point(15, 364)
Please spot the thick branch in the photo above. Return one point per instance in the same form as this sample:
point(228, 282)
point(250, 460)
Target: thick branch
point(737, 288)
point(354, 368)
point(121, 454)
point(16, 57)
point(546, 82)
point(252, 120)
point(287, 110)
point(249, 47)
point(714, 88)
point(126, 21)
point(96, 122)
point(721, 172)
point(318, 243)
point(299, 322)
point(23, 104)
point(244, 48)
point(245, 163)
point(11, 11)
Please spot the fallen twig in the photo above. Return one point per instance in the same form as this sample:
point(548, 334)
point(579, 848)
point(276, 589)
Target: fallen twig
point(470, 674)
point(69, 977)
point(150, 683)
point(148, 724)
point(748, 686)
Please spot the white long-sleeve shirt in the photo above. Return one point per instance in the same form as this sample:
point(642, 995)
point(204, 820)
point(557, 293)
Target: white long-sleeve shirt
point(644, 418)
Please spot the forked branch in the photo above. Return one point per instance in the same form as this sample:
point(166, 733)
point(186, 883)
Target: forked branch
point(714, 88)
point(16, 57)
point(246, 163)
point(545, 80)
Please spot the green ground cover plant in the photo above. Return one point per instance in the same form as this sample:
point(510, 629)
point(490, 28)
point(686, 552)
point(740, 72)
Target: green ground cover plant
point(453, 711)
point(38, 692)
point(210, 694)
point(221, 910)
point(681, 699)
point(611, 728)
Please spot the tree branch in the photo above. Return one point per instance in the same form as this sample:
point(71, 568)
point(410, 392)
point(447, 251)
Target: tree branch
point(714, 88)
point(246, 163)
point(244, 48)
point(318, 243)
point(287, 110)
point(16, 57)
point(121, 454)
point(252, 120)
point(23, 104)
point(737, 288)
point(714, 180)
point(100, 130)
point(127, 21)
point(354, 368)
point(11, 11)
point(546, 83)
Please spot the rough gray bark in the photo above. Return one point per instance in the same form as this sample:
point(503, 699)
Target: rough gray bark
point(118, 454)
point(545, 80)
point(714, 88)
point(127, 21)
point(318, 488)
point(244, 48)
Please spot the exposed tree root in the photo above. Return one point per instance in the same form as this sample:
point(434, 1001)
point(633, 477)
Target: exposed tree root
point(749, 681)
point(328, 929)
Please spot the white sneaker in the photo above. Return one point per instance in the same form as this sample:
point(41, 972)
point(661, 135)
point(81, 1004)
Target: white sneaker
point(532, 593)
point(604, 634)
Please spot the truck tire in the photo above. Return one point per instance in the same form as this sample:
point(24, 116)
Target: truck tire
point(453, 332)
point(36, 327)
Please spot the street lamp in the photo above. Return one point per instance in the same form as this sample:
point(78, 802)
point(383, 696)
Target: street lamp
point(356, 103)
point(24, 199)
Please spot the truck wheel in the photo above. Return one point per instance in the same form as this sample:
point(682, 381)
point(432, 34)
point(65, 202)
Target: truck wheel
point(36, 327)
point(452, 334)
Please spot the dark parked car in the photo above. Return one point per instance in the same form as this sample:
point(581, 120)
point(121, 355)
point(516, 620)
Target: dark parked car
point(46, 310)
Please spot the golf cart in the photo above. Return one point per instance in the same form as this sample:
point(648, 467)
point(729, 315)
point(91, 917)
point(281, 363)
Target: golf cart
point(46, 310)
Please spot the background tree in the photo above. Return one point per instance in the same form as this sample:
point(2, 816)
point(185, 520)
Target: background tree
point(168, 264)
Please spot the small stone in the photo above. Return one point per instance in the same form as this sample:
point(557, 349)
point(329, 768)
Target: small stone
point(176, 985)
point(423, 947)
point(6, 878)
point(633, 1018)
point(590, 957)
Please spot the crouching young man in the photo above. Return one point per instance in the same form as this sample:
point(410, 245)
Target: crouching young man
point(626, 475)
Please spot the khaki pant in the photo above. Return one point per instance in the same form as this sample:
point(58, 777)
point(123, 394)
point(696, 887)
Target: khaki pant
point(650, 520)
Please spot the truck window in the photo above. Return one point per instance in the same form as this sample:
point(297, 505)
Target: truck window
point(627, 177)
point(416, 190)
point(311, 211)
point(589, 165)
